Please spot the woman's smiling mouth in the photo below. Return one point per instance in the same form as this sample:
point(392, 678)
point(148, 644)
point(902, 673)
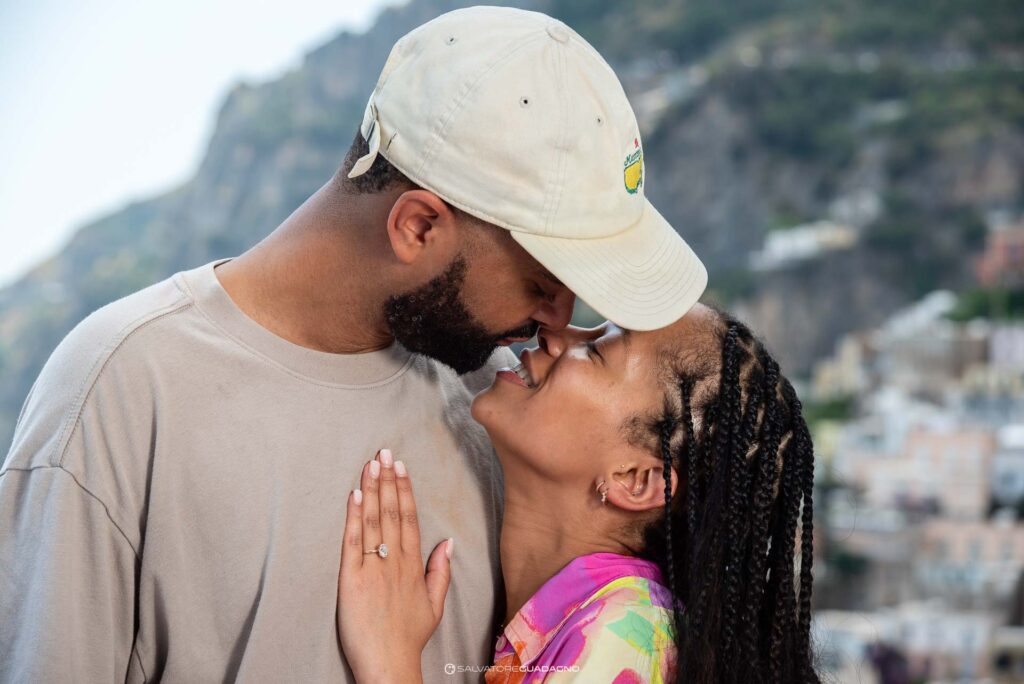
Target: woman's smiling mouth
point(520, 375)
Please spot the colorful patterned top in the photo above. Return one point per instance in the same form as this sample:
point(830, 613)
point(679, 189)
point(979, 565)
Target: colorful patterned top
point(604, 617)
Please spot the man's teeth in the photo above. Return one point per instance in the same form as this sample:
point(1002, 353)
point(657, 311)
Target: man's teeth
point(523, 374)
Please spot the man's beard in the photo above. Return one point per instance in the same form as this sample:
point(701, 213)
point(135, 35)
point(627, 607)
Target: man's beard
point(432, 320)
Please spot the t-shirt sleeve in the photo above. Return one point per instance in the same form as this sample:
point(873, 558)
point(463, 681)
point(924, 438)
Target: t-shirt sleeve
point(73, 493)
point(616, 645)
point(67, 582)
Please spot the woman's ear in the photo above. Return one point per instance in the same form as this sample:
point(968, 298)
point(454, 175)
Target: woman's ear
point(641, 487)
point(422, 226)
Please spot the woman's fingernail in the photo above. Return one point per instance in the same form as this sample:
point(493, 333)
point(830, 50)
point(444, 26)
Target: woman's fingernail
point(400, 468)
point(450, 548)
point(357, 496)
point(386, 458)
point(374, 468)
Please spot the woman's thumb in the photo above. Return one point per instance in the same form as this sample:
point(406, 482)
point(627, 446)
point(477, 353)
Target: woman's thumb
point(439, 575)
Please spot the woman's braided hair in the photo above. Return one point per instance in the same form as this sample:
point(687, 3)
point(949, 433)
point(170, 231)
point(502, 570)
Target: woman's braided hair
point(726, 544)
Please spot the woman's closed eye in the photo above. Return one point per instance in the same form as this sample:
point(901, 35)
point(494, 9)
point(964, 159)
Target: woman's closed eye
point(594, 351)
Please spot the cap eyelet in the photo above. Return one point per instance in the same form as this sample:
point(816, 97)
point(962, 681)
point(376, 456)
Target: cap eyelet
point(524, 101)
point(451, 39)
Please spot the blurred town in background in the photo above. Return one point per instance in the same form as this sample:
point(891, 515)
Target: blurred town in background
point(852, 173)
point(919, 426)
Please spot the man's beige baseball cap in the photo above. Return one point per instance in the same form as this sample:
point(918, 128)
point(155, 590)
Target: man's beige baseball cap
point(514, 118)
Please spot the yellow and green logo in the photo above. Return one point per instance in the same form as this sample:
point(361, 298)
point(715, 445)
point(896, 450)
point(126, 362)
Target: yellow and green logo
point(633, 168)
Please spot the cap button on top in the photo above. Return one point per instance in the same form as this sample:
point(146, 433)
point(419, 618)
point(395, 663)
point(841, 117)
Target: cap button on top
point(559, 33)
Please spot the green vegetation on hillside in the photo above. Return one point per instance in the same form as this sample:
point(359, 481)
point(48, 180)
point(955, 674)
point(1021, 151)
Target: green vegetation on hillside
point(991, 303)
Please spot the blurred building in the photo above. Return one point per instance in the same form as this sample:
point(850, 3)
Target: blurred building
point(847, 372)
point(989, 396)
point(942, 644)
point(1007, 475)
point(1006, 348)
point(889, 415)
point(919, 351)
point(993, 392)
point(1002, 262)
point(923, 352)
point(935, 642)
point(937, 469)
point(972, 563)
point(842, 640)
point(871, 556)
point(922, 560)
point(787, 245)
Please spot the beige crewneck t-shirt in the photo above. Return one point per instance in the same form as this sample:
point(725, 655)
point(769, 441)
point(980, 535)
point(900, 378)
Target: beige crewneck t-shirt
point(173, 502)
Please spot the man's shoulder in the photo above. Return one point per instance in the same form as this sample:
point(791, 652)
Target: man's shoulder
point(106, 329)
point(81, 359)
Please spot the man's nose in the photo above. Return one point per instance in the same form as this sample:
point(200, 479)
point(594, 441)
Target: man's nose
point(551, 342)
point(555, 342)
point(556, 314)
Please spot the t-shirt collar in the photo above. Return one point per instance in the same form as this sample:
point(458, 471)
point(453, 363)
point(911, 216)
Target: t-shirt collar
point(364, 370)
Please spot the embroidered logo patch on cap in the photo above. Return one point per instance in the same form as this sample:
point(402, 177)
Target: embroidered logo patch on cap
point(633, 173)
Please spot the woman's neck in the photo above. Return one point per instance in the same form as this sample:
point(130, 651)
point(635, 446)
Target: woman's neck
point(541, 532)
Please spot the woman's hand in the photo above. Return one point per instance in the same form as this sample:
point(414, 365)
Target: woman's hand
point(388, 607)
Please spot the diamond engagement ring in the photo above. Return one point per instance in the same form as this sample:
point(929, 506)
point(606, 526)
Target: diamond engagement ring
point(381, 551)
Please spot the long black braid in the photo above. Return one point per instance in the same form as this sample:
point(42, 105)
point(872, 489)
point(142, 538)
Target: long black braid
point(666, 450)
point(726, 543)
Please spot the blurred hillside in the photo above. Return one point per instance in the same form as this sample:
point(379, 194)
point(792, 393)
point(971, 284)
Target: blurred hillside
point(830, 160)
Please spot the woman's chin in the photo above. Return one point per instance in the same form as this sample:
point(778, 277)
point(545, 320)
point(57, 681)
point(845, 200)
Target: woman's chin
point(486, 405)
point(478, 407)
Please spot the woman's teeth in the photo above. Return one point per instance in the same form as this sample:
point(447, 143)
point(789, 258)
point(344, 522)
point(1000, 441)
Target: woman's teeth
point(524, 375)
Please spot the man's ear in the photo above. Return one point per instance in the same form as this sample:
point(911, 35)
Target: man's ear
point(421, 226)
point(641, 485)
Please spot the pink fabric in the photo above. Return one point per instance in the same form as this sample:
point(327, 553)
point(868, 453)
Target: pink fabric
point(604, 617)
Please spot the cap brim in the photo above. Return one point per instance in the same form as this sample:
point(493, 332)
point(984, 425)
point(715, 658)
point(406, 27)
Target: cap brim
point(644, 278)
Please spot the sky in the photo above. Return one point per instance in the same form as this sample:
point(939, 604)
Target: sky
point(108, 101)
